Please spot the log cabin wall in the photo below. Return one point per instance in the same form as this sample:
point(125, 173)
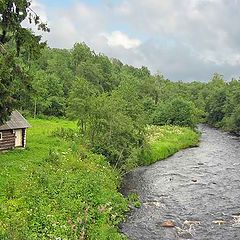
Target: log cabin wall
point(8, 140)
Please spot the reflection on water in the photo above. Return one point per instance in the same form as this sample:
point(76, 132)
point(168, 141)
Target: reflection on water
point(198, 189)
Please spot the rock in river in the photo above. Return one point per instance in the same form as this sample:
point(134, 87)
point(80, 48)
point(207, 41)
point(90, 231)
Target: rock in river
point(168, 223)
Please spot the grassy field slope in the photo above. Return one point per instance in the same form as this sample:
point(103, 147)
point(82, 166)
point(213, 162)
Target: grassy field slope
point(57, 190)
point(14, 165)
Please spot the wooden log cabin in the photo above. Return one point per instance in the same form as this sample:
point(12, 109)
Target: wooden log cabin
point(13, 134)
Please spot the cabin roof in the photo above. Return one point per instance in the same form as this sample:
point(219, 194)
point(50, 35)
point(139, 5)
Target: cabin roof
point(17, 121)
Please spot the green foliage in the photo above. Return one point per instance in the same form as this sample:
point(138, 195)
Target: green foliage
point(232, 122)
point(134, 200)
point(176, 112)
point(236, 119)
point(112, 131)
point(132, 161)
point(80, 101)
point(111, 123)
point(220, 101)
point(6, 87)
point(215, 100)
point(13, 13)
point(13, 39)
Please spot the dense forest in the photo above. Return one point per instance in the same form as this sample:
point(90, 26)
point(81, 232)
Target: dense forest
point(70, 83)
point(113, 102)
point(114, 105)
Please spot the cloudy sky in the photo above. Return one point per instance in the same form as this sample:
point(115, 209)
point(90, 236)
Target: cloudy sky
point(182, 39)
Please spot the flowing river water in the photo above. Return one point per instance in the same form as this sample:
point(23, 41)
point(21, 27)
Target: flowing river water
point(198, 189)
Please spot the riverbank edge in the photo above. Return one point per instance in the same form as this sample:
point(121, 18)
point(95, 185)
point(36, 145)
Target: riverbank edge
point(224, 129)
point(162, 148)
point(165, 141)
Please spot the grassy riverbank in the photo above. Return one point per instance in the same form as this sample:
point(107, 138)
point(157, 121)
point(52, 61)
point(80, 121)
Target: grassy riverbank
point(164, 141)
point(57, 189)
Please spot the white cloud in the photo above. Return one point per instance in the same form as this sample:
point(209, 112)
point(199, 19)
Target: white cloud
point(78, 23)
point(205, 29)
point(187, 39)
point(40, 9)
point(117, 38)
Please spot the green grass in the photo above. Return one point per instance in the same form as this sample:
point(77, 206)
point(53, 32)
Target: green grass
point(15, 164)
point(164, 141)
point(58, 190)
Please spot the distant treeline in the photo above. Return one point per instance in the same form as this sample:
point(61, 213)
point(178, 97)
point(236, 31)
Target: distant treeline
point(64, 82)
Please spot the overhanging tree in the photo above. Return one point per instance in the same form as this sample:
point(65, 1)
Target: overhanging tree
point(13, 38)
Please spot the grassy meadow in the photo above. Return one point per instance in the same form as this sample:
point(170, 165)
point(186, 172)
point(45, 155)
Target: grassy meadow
point(57, 189)
point(15, 164)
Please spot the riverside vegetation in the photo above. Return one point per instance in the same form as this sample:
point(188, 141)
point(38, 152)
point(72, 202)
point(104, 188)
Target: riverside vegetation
point(65, 184)
point(57, 189)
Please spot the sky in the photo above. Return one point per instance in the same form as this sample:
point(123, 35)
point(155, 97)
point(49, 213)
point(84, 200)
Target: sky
point(186, 40)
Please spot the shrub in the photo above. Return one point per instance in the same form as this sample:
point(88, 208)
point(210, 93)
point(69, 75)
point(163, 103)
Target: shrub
point(176, 112)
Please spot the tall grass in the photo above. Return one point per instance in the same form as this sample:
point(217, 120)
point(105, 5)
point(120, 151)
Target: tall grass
point(56, 189)
point(164, 141)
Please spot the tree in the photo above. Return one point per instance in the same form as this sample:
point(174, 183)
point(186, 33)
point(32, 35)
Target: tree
point(80, 101)
point(112, 131)
point(6, 86)
point(215, 100)
point(176, 112)
point(231, 121)
point(12, 14)
point(112, 123)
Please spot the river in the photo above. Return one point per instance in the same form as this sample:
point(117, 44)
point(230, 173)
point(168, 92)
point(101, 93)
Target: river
point(197, 189)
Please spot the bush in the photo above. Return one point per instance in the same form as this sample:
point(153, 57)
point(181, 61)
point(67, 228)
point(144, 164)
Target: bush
point(232, 123)
point(176, 112)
